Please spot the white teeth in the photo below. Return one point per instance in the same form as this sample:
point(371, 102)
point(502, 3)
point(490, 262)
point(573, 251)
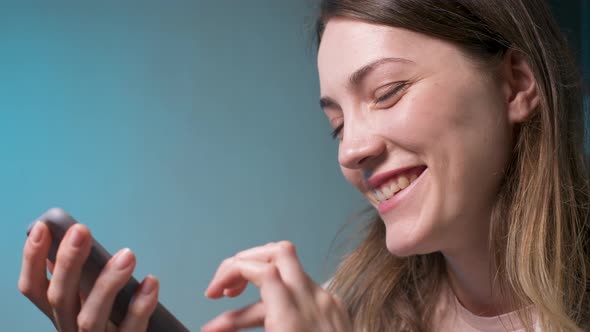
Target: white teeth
point(403, 182)
point(388, 190)
point(379, 196)
point(394, 187)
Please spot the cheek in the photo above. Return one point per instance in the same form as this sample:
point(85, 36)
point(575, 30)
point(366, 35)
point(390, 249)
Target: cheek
point(466, 139)
point(355, 178)
point(460, 121)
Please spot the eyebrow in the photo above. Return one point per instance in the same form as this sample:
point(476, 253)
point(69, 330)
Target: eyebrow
point(355, 80)
point(359, 76)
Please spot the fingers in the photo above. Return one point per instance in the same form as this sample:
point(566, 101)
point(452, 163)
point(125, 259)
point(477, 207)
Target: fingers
point(281, 254)
point(291, 300)
point(236, 290)
point(235, 320)
point(284, 255)
point(214, 291)
point(60, 299)
point(62, 293)
point(95, 313)
point(33, 281)
point(241, 269)
point(142, 306)
point(50, 266)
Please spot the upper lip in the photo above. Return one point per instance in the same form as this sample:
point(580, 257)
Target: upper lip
point(377, 180)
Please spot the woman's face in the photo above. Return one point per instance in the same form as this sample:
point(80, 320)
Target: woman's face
point(425, 135)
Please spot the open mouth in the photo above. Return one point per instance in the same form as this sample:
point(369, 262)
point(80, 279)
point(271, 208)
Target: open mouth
point(396, 184)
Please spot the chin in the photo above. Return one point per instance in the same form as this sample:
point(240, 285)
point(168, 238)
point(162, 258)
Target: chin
point(404, 244)
point(401, 249)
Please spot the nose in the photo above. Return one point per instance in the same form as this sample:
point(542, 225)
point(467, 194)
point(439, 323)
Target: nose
point(358, 148)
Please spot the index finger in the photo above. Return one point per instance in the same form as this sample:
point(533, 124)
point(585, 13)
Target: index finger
point(263, 275)
point(284, 255)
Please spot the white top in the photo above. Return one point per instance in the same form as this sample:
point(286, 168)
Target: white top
point(452, 316)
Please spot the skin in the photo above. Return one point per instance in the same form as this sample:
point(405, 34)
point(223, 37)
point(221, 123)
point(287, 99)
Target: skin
point(452, 116)
point(60, 299)
point(290, 300)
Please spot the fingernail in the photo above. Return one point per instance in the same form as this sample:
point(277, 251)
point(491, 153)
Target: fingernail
point(36, 234)
point(76, 238)
point(149, 285)
point(124, 259)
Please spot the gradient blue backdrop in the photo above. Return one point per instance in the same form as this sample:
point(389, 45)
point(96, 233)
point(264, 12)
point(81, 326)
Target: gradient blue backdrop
point(185, 130)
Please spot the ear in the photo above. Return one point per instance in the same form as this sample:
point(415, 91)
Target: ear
point(519, 86)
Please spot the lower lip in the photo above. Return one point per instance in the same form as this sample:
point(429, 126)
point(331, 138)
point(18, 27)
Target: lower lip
point(396, 199)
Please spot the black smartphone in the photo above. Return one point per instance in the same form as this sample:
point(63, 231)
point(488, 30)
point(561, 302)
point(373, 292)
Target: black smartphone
point(58, 222)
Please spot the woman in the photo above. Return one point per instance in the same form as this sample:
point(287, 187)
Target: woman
point(462, 123)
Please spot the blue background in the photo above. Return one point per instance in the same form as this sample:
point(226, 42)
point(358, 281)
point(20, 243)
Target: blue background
point(185, 130)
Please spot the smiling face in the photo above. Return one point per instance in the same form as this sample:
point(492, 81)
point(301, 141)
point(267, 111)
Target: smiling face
point(423, 131)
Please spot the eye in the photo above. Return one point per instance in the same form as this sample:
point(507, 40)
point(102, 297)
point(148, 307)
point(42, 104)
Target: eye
point(391, 92)
point(336, 132)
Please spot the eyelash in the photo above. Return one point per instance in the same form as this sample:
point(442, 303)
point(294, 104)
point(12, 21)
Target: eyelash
point(337, 131)
point(394, 91)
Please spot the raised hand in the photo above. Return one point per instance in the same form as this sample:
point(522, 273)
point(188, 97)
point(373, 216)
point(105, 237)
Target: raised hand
point(290, 300)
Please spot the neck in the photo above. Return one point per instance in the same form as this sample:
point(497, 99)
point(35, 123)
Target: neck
point(470, 275)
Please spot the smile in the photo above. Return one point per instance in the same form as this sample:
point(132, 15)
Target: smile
point(396, 184)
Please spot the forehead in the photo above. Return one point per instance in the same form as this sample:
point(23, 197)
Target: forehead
point(349, 44)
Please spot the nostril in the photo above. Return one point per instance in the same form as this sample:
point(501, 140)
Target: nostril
point(362, 161)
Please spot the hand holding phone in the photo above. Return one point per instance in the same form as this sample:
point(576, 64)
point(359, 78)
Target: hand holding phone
point(58, 221)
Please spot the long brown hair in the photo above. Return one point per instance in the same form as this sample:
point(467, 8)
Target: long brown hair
point(539, 233)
